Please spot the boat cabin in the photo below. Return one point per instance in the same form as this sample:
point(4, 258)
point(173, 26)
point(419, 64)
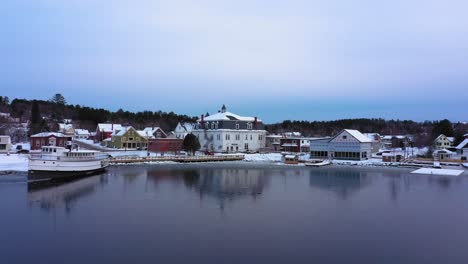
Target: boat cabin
point(291, 159)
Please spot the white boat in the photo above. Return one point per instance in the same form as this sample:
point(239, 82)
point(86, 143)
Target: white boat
point(318, 164)
point(465, 165)
point(62, 162)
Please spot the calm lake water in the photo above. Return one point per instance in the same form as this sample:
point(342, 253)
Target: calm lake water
point(236, 214)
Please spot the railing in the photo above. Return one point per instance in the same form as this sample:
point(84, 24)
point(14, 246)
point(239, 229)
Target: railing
point(181, 159)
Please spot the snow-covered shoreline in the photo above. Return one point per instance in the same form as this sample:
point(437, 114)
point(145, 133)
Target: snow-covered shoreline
point(19, 162)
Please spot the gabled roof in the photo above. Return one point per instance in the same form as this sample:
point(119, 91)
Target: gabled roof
point(63, 126)
point(81, 131)
point(451, 139)
point(357, 135)
point(152, 130)
point(463, 144)
point(122, 131)
point(109, 127)
point(187, 127)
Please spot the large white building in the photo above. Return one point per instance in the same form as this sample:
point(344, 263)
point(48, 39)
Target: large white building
point(228, 132)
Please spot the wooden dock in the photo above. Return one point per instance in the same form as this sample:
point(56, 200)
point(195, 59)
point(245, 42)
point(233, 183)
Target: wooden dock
point(180, 159)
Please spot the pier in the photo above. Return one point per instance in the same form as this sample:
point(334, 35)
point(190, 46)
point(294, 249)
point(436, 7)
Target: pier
point(180, 159)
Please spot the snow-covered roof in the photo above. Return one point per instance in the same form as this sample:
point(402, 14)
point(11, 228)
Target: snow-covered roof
point(274, 136)
point(184, 127)
point(451, 139)
point(47, 134)
point(109, 127)
point(462, 144)
point(358, 135)
point(290, 157)
point(372, 136)
point(79, 131)
point(445, 151)
point(388, 137)
point(63, 126)
point(144, 133)
point(289, 145)
point(151, 130)
point(221, 116)
point(122, 131)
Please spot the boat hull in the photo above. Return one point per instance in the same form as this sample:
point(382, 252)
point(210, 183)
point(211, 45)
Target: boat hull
point(62, 169)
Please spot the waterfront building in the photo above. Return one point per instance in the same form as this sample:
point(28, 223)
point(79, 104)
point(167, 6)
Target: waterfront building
point(349, 144)
point(228, 132)
point(5, 144)
point(105, 131)
point(49, 139)
point(81, 134)
point(183, 129)
point(443, 142)
point(273, 142)
point(127, 138)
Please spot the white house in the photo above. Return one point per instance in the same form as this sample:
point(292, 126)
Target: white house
point(81, 134)
point(5, 144)
point(228, 132)
point(182, 130)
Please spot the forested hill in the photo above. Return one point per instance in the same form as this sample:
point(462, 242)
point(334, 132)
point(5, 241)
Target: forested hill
point(425, 132)
point(56, 109)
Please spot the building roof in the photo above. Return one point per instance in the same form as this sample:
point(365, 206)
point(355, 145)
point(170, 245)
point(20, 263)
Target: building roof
point(48, 134)
point(185, 127)
point(109, 127)
point(122, 131)
point(81, 131)
point(463, 144)
point(63, 126)
point(358, 135)
point(226, 116)
point(444, 151)
point(451, 139)
point(149, 131)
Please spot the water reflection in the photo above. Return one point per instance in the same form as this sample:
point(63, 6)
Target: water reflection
point(222, 184)
point(341, 182)
point(52, 195)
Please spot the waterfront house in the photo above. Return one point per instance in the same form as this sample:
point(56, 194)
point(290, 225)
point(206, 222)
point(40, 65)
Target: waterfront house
point(5, 144)
point(50, 139)
point(442, 154)
point(66, 129)
point(228, 132)
point(376, 141)
point(462, 148)
point(273, 142)
point(393, 156)
point(126, 138)
point(443, 142)
point(153, 132)
point(349, 144)
point(396, 141)
point(81, 134)
point(104, 131)
point(295, 144)
point(183, 129)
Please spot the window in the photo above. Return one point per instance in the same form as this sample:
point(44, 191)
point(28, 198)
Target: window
point(345, 137)
point(212, 125)
point(237, 125)
point(228, 137)
point(130, 139)
point(250, 137)
point(249, 125)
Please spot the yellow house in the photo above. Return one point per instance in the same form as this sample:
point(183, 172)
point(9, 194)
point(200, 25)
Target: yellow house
point(127, 138)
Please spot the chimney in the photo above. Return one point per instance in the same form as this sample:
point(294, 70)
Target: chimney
point(202, 120)
point(256, 123)
point(112, 126)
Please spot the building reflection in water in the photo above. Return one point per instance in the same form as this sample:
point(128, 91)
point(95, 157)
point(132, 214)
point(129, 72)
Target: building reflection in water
point(53, 195)
point(341, 182)
point(222, 184)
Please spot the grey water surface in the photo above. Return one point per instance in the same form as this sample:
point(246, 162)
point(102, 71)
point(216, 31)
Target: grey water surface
point(236, 214)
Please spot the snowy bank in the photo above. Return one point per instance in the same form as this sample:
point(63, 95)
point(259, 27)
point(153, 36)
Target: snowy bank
point(14, 162)
point(445, 172)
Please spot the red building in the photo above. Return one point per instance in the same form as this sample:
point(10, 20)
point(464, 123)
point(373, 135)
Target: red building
point(49, 139)
point(290, 144)
point(165, 145)
point(104, 131)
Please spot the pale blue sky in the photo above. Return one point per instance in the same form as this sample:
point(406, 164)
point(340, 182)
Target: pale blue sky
point(323, 59)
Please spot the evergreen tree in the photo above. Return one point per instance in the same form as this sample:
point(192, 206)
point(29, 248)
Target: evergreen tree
point(35, 122)
point(191, 143)
point(58, 99)
point(443, 127)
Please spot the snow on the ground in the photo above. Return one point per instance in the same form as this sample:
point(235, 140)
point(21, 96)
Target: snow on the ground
point(25, 145)
point(260, 157)
point(445, 172)
point(13, 162)
point(369, 162)
point(137, 153)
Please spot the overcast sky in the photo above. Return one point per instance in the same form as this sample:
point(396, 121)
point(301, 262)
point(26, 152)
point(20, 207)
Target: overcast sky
point(311, 60)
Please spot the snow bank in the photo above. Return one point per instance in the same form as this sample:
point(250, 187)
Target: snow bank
point(445, 172)
point(14, 162)
point(267, 157)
